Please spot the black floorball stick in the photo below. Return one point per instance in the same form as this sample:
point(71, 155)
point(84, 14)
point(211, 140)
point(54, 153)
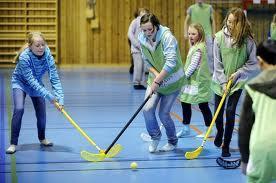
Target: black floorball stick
point(128, 123)
point(228, 164)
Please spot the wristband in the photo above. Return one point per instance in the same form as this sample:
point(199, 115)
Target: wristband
point(157, 83)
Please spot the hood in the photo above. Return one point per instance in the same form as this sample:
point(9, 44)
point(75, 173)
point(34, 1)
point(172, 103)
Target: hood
point(265, 83)
point(226, 31)
point(143, 38)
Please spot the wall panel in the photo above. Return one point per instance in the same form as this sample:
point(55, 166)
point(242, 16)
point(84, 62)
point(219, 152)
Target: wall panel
point(76, 40)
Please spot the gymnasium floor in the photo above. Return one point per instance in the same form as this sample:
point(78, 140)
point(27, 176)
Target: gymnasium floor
point(101, 101)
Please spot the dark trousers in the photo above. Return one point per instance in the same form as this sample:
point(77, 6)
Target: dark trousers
point(231, 106)
point(204, 108)
point(40, 111)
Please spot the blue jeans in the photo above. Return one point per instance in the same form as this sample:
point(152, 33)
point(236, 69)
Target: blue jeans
point(166, 102)
point(40, 111)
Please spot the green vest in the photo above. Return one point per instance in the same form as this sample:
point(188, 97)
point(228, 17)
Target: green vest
point(202, 15)
point(273, 31)
point(173, 80)
point(233, 58)
point(262, 137)
point(197, 88)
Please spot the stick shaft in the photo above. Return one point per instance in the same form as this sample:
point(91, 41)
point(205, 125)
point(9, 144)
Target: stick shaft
point(128, 123)
point(79, 129)
point(217, 112)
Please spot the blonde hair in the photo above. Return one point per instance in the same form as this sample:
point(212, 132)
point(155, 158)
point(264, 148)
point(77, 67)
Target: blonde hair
point(200, 30)
point(242, 28)
point(29, 42)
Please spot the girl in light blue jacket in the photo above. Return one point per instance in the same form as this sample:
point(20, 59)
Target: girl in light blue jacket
point(33, 61)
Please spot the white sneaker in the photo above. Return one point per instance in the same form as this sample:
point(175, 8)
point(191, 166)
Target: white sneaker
point(168, 147)
point(11, 149)
point(184, 132)
point(46, 142)
point(153, 146)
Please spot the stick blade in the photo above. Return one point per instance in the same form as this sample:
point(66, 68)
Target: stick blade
point(114, 151)
point(228, 164)
point(194, 154)
point(88, 156)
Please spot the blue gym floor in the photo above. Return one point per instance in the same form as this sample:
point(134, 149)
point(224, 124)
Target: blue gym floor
point(101, 101)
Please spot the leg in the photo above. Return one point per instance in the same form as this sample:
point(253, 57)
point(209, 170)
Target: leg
point(166, 104)
point(209, 46)
point(19, 101)
point(207, 115)
point(149, 115)
point(206, 112)
point(138, 74)
point(151, 121)
point(40, 112)
point(18, 111)
point(187, 113)
point(219, 121)
point(131, 59)
point(230, 120)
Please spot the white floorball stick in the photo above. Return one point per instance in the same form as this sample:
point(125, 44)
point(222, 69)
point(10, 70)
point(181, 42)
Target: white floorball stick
point(146, 137)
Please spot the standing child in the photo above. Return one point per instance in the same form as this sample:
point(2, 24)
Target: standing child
point(202, 13)
point(161, 53)
point(234, 58)
point(196, 89)
point(33, 60)
point(257, 124)
point(133, 31)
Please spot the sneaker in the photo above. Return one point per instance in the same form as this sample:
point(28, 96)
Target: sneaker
point(225, 152)
point(168, 147)
point(139, 87)
point(11, 149)
point(153, 146)
point(45, 142)
point(184, 132)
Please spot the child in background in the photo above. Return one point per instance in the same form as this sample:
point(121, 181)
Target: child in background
point(202, 13)
point(196, 89)
point(133, 31)
point(257, 123)
point(33, 60)
point(234, 58)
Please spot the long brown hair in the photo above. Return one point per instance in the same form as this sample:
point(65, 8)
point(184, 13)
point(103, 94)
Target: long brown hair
point(242, 28)
point(29, 42)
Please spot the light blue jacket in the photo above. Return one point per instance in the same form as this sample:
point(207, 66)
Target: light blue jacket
point(29, 71)
point(169, 44)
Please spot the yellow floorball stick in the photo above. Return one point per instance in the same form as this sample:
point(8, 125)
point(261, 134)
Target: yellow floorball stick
point(194, 154)
point(113, 152)
point(113, 149)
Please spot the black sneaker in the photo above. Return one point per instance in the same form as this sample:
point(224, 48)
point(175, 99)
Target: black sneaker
point(225, 152)
point(139, 87)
